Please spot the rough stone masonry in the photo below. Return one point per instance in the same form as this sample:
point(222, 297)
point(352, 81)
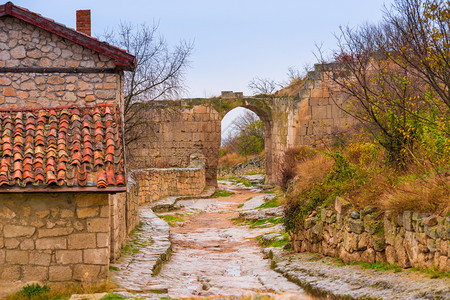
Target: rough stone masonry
point(59, 232)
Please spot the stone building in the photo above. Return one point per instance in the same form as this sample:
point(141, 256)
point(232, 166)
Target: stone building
point(63, 210)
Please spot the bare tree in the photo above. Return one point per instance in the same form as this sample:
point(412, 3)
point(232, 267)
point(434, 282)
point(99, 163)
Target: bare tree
point(159, 72)
point(262, 86)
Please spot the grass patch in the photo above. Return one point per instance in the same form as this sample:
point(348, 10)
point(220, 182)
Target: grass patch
point(433, 273)
point(136, 242)
point(221, 193)
point(33, 291)
point(173, 219)
point(240, 205)
point(112, 296)
point(378, 266)
point(254, 172)
point(113, 268)
point(315, 257)
point(265, 222)
point(276, 241)
point(243, 181)
point(37, 292)
point(271, 203)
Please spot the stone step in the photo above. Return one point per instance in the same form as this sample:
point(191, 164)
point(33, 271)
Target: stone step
point(170, 203)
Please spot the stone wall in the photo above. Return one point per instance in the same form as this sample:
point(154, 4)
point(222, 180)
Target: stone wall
point(124, 212)
point(174, 131)
point(408, 240)
point(23, 45)
point(254, 165)
point(61, 237)
point(154, 184)
point(318, 115)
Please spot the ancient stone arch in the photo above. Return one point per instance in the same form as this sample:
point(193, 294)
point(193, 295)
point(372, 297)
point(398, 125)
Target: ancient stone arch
point(176, 129)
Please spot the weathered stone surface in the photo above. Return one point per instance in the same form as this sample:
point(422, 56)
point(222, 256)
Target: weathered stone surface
point(10, 273)
point(341, 205)
point(350, 242)
point(363, 242)
point(401, 254)
point(54, 232)
point(356, 226)
point(60, 273)
point(12, 243)
point(65, 257)
point(354, 214)
point(98, 225)
point(16, 257)
point(96, 256)
point(431, 221)
point(51, 243)
point(32, 273)
point(379, 242)
point(87, 212)
point(82, 241)
point(369, 256)
point(18, 231)
point(86, 273)
point(40, 258)
point(407, 220)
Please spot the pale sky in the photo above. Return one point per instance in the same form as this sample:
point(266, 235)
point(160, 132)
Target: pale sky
point(234, 40)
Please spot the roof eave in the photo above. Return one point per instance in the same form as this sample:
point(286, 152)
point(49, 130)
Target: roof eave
point(59, 189)
point(122, 59)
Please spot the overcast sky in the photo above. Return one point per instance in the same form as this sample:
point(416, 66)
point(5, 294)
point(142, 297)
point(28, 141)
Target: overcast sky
point(234, 40)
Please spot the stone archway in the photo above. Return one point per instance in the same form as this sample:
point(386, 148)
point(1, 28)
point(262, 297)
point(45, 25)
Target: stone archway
point(265, 116)
point(179, 128)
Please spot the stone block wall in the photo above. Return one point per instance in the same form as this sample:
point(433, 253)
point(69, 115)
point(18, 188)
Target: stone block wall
point(124, 215)
point(408, 240)
point(54, 238)
point(317, 113)
point(174, 132)
point(154, 183)
point(23, 45)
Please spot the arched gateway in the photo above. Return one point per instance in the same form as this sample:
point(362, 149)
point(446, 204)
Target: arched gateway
point(173, 130)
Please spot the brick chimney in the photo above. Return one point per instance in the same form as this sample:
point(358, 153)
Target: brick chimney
point(84, 21)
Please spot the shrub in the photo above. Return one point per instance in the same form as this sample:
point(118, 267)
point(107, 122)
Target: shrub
point(293, 156)
point(34, 291)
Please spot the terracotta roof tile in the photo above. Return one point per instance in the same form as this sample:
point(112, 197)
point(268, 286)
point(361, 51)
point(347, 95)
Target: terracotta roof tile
point(67, 147)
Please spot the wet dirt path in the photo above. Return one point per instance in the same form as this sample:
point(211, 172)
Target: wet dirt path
point(214, 256)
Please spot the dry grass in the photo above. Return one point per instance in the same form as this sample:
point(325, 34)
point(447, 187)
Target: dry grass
point(420, 195)
point(311, 172)
point(231, 159)
point(293, 89)
point(421, 188)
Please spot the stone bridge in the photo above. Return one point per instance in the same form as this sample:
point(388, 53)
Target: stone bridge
point(176, 129)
